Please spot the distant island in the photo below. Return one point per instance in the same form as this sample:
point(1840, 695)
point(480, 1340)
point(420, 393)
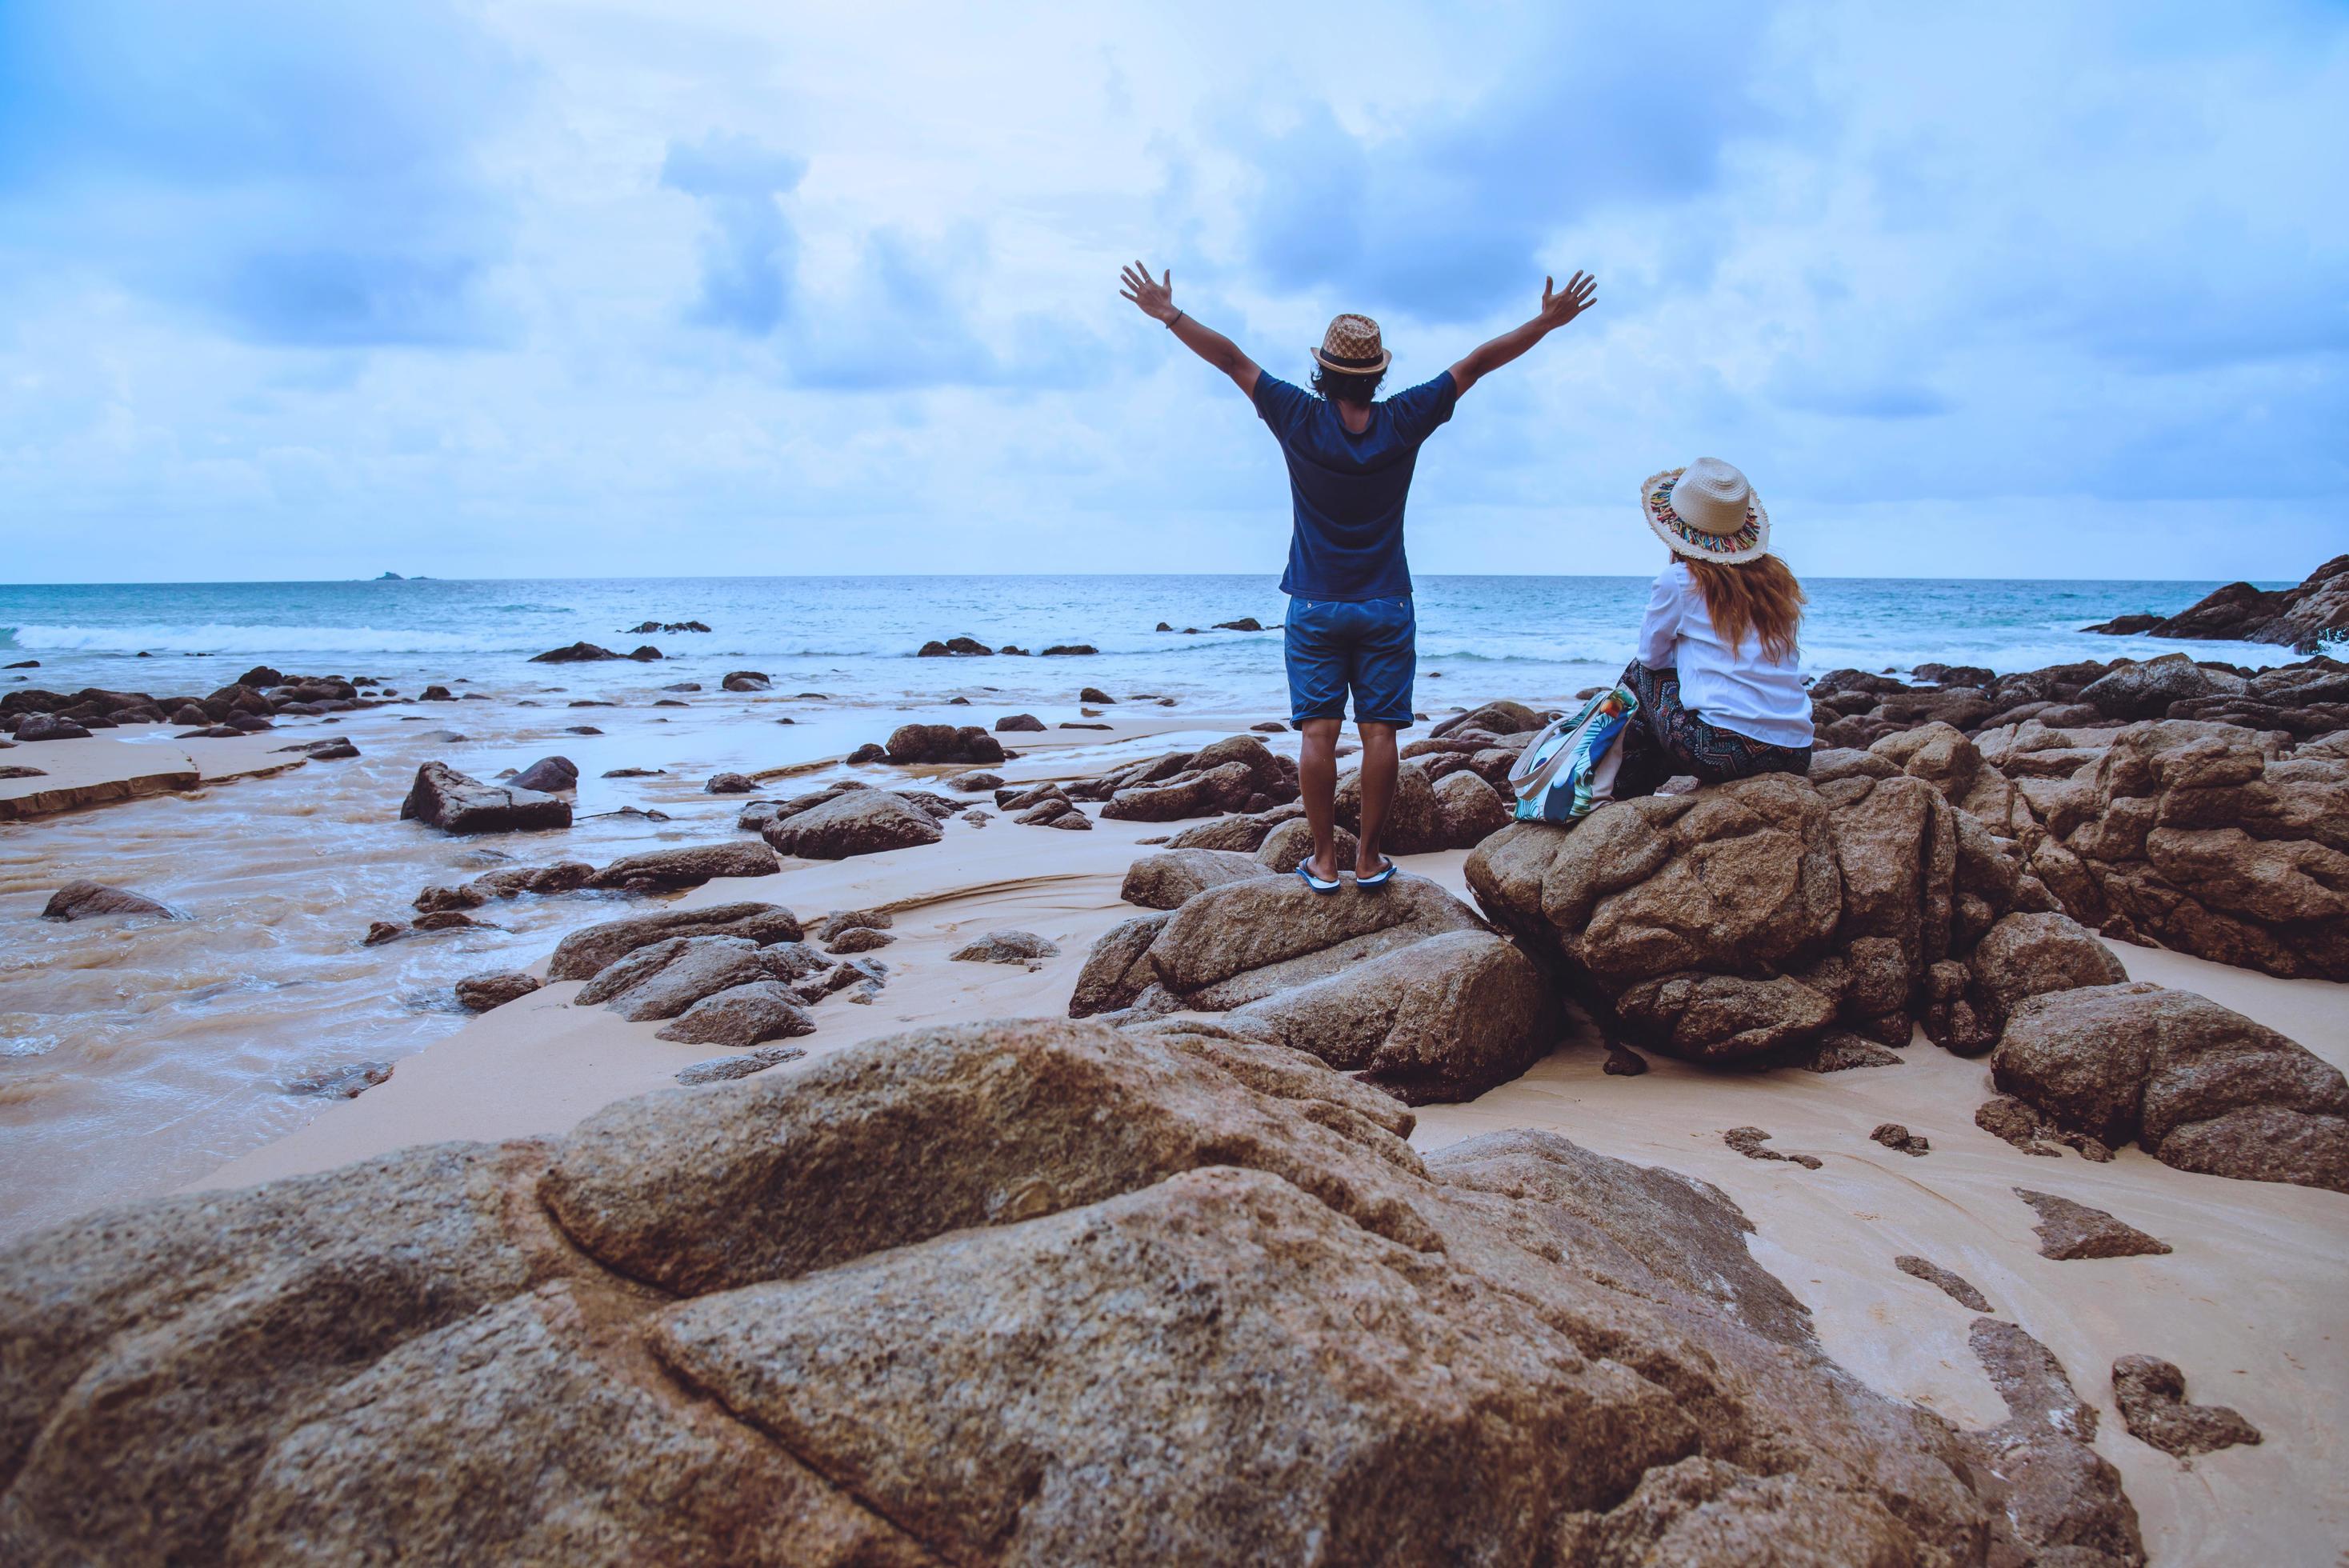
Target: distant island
point(391, 577)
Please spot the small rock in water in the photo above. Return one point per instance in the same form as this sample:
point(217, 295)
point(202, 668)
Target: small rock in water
point(729, 784)
point(1957, 1287)
point(347, 1082)
point(581, 729)
point(1018, 722)
point(2151, 1393)
point(1271, 727)
point(1748, 1141)
point(86, 900)
point(2069, 1231)
point(718, 1070)
point(636, 773)
point(1892, 1135)
point(549, 774)
point(480, 993)
point(14, 772)
point(1623, 1061)
point(1005, 947)
point(382, 931)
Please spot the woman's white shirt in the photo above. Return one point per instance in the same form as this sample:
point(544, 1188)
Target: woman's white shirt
point(1741, 688)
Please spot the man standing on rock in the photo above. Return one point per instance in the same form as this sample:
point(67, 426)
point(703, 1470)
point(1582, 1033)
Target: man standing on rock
point(1350, 625)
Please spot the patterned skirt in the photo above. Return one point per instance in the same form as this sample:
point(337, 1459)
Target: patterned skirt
point(1667, 740)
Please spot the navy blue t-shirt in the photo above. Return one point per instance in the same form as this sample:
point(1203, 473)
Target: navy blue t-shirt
point(1348, 490)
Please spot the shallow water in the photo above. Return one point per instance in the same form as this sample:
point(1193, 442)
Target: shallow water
point(138, 1055)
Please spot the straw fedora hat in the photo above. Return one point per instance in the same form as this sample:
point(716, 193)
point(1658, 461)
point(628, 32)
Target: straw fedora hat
point(1706, 511)
point(1351, 347)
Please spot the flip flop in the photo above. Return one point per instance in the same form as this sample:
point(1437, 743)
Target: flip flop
point(1377, 879)
point(1305, 875)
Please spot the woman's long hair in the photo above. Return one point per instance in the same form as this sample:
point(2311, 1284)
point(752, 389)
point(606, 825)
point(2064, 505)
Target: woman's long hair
point(1758, 596)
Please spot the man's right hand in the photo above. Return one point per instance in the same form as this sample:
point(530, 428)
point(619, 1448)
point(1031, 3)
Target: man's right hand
point(1154, 297)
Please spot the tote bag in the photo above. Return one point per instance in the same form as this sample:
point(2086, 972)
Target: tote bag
point(1568, 771)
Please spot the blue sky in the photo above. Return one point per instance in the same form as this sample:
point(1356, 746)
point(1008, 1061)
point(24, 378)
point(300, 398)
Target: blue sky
point(608, 289)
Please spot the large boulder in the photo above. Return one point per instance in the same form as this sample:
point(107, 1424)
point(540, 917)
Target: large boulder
point(445, 799)
point(666, 978)
point(2023, 955)
point(1167, 879)
point(548, 776)
point(912, 1301)
point(1442, 1020)
point(1415, 823)
point(2198, 1085)
point(1751, 917)
point(689, 865)
point(853, 822)
point(1470, 810)
point(584, 952)
point(1234, 944)
point(2147, 690)
point(912, 743)
point(1236, 774)
point(2215, 846)
point(1291, 844)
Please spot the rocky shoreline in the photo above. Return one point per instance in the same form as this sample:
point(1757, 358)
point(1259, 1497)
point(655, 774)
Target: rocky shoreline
point(904, 1295)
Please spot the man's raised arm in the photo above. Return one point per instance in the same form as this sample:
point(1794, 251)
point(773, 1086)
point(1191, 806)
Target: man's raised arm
point(1156, 299)
point(1557, 308)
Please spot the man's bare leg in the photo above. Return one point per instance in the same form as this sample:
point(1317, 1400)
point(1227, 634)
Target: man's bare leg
point(1378, 764)
point(1317, 779)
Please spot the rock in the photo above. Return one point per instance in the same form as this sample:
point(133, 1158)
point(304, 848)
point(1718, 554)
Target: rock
point(2199, 1086)
point(1118, 967)
point(437, 900)
point(645, 627)
point(842, 921)
point(2063, 1498)
point(1504, 717)
point(2030, 1130)
point(744, 680)
point(89, 900)
point(444, 920)
point(2069, 1231)
point(1623, 1062)
point(564, 876)
point(2147, 690)
point(379, 932)
point(1837, 1051)
point(1892, 1135)
point(1069, 650)
point(1955, 1286)
point(1095, 694)
point(720, 1069)
point(481, 993)
point(967, 648)
point(1748, 1141)
point(261, 676)
point(975, 781)
point(729, 784)
point(2021, 956)
point(1415, 822)
point(1176, 1221)
point(15, 771)
point(2126, 625)
point(548, 775)
point(335, 751)
point(445, 799)
point(1469, 809)
point(661, 870)
point(925, 743)
point(859, 939)
point(576, 654)
point(665, 979)
point(1290, 845)
point(1005, 947)
point(1167, 879)
point(48, 726)
point(1241, 940)
point(871, 751)
point(348, 1081)
point(586, 952)
point(2151, 1394)
point(1017, 723)
point(2302, 618)
point(1442, 1020)
point(854, 822)
point(748, 1013)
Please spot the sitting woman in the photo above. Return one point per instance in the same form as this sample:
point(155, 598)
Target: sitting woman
point(1716, 675)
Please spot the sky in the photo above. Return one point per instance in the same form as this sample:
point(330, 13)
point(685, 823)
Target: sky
point(681, 287)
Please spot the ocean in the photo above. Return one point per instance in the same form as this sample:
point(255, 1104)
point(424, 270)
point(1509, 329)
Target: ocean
point(138, 1056)
point(854, 637)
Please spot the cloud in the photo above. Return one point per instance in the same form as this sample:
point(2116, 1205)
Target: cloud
point(749, 259)
point(1443, 211)
point(302, 174)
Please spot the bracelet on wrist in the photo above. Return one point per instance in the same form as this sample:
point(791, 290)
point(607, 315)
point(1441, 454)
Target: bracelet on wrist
point(1178, 316)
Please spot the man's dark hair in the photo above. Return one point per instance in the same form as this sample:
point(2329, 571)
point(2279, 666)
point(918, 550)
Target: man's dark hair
point(1338, 386)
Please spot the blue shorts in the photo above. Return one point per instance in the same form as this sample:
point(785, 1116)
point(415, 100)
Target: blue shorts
point(1370, 646)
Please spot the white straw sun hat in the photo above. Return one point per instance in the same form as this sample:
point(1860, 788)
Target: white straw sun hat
point(1706, 511)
